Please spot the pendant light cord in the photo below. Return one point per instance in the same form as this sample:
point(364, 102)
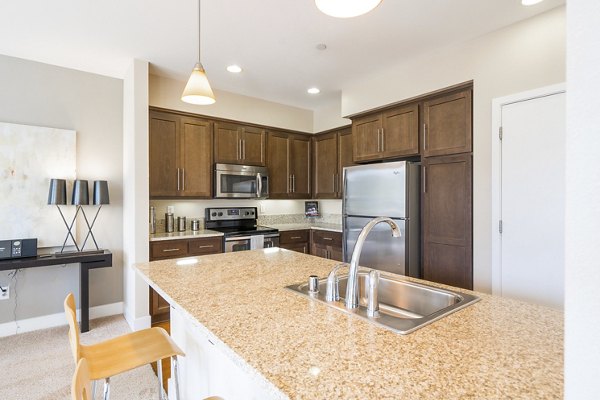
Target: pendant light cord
point(199, 28)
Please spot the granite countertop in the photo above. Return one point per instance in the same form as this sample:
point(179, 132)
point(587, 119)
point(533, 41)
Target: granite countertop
point(202, 233)
point(308, 225)
point(497, 348)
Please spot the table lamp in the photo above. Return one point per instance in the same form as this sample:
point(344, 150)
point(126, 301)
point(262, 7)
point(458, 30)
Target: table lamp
point(57, 195)
point(100, 198)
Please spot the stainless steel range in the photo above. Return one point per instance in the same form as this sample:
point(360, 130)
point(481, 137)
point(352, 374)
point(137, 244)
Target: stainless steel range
point(240, 229)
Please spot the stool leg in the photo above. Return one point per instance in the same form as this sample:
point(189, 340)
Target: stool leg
point(106, 388)
point(159, 375)
point(176, 373)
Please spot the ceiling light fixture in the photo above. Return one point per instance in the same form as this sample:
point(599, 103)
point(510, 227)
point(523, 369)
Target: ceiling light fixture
point(197, 90)
point(530, 2)
point(234, 69)
point(347, 8)
point(314, 90)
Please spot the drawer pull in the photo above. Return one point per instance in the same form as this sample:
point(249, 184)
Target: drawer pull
point(169, 250)
point(326, 238)
point(296, 237)
point(208, 246)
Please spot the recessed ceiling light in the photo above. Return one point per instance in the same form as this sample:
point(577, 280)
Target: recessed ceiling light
point(321, 46)
point(314, 90)
point(530, 2)
point(346, 8)
point(234, 69)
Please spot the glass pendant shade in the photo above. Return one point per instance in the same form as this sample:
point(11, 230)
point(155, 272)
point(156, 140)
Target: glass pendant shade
point(81, 193)
point(346, 8)
point(57, 193)
point(197, 90)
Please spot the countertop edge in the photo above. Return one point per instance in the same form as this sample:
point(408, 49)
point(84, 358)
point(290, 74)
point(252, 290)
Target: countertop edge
point(258, 377)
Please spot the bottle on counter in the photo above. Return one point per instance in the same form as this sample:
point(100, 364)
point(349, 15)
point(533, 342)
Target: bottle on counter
point(169, 222)
point(152, 220)
point(181, 224)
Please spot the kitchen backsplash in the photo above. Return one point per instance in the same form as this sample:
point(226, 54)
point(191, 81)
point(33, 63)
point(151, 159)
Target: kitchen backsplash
point(299, 219)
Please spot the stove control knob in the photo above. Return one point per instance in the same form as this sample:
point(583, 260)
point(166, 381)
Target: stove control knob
point(251, 212)
point(220, 214)
point(247, 212)
point(214, 214)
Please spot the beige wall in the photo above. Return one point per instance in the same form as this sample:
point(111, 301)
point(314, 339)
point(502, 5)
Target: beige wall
point(524, 56)
point(166, 93)
point(43, 95)
point(329, 116)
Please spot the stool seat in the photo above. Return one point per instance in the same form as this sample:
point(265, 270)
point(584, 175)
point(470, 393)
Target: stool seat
point(129, 351)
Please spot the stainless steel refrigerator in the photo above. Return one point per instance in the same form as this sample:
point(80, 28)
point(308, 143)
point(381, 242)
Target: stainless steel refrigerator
point(384, 190)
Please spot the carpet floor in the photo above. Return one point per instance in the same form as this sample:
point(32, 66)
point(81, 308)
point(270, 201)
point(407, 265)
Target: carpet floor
point(39, 365)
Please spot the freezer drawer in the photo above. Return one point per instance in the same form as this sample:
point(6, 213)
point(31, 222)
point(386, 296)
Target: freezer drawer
point(381, 250)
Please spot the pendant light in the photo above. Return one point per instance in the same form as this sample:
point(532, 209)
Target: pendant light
point(346, 8)
point(197, 90)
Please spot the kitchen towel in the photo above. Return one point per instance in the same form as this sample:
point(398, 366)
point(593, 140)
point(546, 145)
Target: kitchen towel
point(257, 242)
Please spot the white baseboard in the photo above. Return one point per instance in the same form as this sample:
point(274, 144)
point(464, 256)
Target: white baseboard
point(58, 319)
point(138, 323)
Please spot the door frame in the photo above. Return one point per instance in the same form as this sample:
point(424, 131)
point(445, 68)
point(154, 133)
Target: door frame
point(497, 105)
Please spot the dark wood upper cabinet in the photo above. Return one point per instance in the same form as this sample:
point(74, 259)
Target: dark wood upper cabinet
point(447, 220)
point(367, 139)
point(389, 134)
point(447, 124)
point(299, 162)
point(400, 132)
point(239, 144)
point(164, 152)
point(289, 163)
point(180, 156)
point(326, 166)
point(196, 141)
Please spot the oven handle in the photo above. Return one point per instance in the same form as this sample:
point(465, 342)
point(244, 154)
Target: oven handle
point(239, 238)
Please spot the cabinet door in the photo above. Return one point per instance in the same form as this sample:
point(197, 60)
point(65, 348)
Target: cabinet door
point(335, 253)
point(325, 156)
point(401, 132)
point(319, 250)
point(447, 125)
point(159, 307)
point(227, 143)
point(345, 157)
point(447, 220)
point(253, 146)
point(196, 141)
point(277, 162)
point(163, 156)
point(367, 138)
point(299, 247)
point(300, 167)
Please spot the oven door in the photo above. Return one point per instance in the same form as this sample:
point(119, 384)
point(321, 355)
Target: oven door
point(242, 182)
point(237, 244)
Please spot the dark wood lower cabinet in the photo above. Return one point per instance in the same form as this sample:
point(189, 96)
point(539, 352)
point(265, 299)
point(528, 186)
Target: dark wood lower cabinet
point(298, 240)
point(447, 220)
point(326, 244)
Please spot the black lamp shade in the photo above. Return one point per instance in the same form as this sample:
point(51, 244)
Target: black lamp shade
point(57, 194)
point(101, 193)
point(81, 193)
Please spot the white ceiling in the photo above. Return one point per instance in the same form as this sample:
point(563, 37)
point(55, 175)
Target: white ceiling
point(273, 40)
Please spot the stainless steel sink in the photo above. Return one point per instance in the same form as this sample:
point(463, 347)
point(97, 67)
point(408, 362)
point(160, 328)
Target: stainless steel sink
point(404, 306)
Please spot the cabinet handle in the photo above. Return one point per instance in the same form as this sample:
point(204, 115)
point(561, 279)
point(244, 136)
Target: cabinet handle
point(169, 250)
point(290, 183)
point(378, 141)
point(326, 238)
point(178, 179)
point(244, 149)
point(207, 246)
point(328, 256)
point(293, 183)
point(424, 179)
point(183, 178)
point(424, 136)
point(296, 237)
point(238, 150)
point(382, 139)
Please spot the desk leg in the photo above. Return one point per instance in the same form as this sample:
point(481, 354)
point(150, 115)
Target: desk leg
point(84, 296)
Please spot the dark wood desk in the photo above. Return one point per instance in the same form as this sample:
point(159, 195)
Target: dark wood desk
point(85, 261)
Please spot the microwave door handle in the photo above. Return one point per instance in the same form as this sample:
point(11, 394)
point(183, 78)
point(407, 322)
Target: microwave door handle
point(259, 185)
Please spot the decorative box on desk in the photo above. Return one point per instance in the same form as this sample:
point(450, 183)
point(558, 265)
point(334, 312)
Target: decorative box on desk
point(86, 262)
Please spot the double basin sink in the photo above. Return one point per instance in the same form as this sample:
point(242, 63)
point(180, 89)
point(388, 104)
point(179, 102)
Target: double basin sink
point(404, 306)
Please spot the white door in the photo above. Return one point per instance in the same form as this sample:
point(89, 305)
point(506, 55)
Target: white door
point(532, 200)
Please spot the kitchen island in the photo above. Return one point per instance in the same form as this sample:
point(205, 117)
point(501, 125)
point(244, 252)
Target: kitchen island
point(246, 336)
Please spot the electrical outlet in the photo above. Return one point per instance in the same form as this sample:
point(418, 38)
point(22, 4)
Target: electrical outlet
point(4, 292)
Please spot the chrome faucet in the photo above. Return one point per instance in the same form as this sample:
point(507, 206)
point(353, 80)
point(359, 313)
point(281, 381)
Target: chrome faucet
point(351, 300)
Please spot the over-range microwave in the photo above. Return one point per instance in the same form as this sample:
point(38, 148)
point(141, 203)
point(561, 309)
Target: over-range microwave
point(241, 182)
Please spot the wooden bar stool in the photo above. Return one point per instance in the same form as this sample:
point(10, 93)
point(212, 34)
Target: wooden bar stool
point(123, 353)
point(80, 386)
